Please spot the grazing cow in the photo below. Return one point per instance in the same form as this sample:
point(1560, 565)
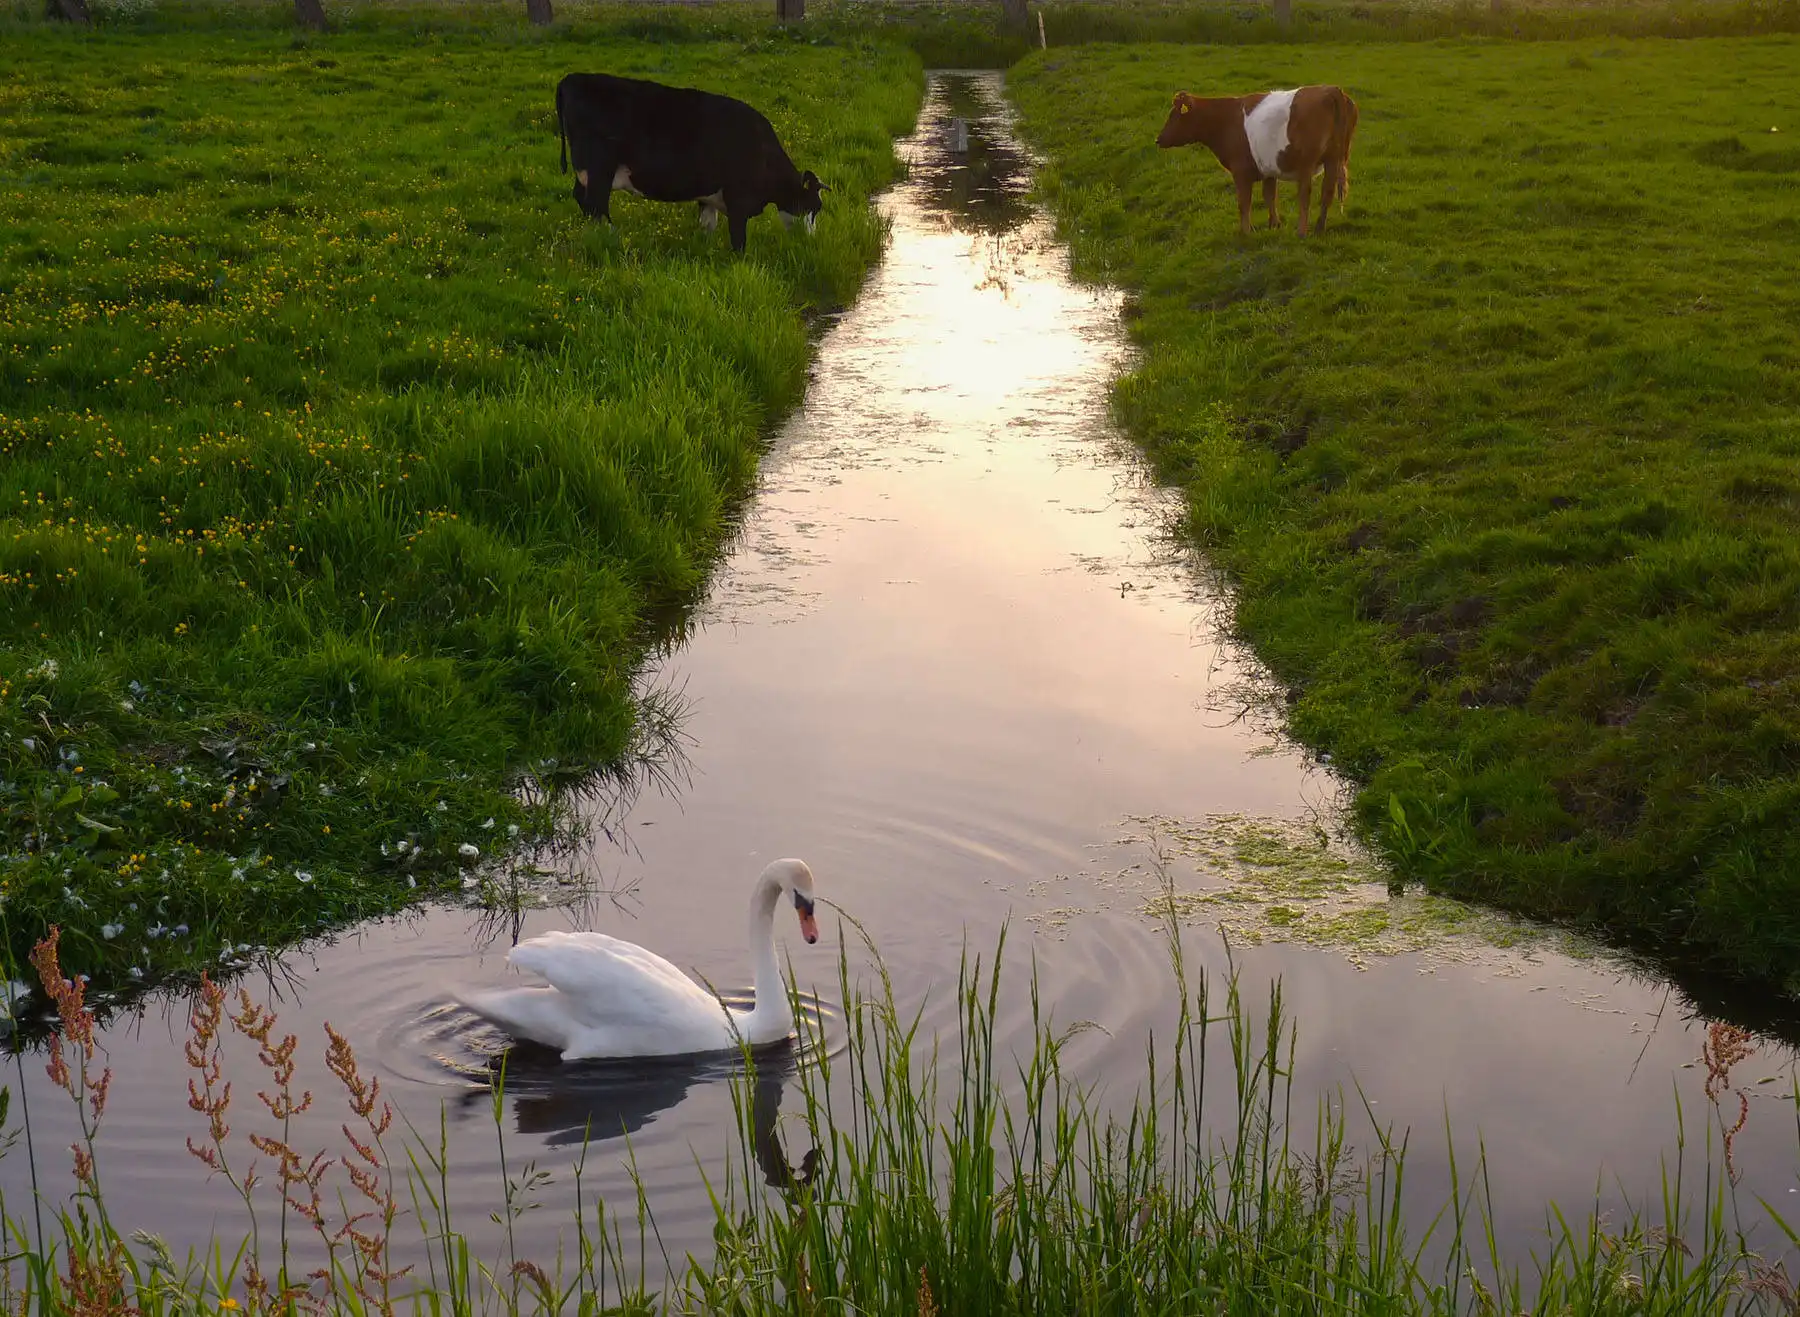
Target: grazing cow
point(1272, 135)
point(677, 144)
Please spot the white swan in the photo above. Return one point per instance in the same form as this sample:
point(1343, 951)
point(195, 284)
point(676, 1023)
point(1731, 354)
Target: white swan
point(607, 997)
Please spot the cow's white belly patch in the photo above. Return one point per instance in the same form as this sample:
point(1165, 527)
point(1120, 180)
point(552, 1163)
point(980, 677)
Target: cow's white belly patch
point(1267, 128)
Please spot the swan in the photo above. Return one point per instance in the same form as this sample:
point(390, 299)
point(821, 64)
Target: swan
point(611, 998)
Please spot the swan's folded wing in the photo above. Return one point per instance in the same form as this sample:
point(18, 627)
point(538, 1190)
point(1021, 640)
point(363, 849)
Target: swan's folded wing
point(611, 981)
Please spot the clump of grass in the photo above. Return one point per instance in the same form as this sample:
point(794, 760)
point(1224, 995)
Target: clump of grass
point(346, 471)
point(1026, 1189)
point(1020, 1189)
point(1502, 467)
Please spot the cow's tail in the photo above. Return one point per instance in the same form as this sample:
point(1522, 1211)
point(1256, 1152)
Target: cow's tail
point(1343, 114)
point(562, 132)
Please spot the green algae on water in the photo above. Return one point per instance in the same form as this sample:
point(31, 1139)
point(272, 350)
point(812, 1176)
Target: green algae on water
point(1264, 879)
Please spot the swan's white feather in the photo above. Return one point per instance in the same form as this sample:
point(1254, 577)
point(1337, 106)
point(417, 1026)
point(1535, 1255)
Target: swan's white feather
point(611, 981)
point(610, 998)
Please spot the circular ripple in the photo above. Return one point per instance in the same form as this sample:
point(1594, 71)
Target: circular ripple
point(444, 1044)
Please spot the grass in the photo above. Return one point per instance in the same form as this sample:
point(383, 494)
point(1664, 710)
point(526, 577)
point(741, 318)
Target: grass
point(1078, 22)
point(1503, 468)
point(346, 470)
point(954, 35)
point(1022, 1190)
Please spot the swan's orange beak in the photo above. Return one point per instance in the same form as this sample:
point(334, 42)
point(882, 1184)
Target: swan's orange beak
point(809, 927)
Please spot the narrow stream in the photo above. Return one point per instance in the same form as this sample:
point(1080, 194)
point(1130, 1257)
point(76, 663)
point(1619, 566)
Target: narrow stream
point(956, 662)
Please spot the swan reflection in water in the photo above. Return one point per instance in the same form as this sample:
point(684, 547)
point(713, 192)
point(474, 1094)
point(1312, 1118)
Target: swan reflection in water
point(570, 1103)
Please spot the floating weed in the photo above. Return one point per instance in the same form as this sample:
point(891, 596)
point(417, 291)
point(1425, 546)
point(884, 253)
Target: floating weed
point(1274, 879)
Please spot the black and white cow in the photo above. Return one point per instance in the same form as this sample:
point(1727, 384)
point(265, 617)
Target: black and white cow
point(677, 144)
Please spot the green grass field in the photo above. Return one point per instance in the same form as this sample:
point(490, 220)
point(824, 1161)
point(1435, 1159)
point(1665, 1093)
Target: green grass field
point(344, 465)
point(1506, 468)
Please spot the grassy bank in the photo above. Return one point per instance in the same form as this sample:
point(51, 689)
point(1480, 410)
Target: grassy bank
point(1504, 468)
point(345, 466)
point(1209, 1190)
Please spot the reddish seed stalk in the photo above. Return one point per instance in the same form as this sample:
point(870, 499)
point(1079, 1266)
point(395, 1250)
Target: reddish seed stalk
point(96, 1278)
point(1726, 1046)
point(368, 1231)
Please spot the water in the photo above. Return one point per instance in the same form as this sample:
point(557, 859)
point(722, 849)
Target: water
point(955, 662)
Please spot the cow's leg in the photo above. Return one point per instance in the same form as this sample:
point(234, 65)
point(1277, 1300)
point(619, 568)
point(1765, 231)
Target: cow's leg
point(1304, 183)
point(594, 184)
point(1328, 192)
point(1245, 190)
point(740, 228)
point(1269, 201)
point(593, 193)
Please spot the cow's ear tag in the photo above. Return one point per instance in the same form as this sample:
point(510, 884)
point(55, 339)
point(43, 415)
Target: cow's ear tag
point(1184, 107)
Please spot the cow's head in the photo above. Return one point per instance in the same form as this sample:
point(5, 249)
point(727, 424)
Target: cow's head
point(1183, 124)
point(806, 200)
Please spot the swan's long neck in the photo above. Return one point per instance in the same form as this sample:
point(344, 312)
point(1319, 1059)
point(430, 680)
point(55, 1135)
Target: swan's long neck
point(773, 1017)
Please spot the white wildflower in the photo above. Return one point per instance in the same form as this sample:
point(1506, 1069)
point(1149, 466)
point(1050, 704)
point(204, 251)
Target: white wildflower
point(135, 972)
point(488, 825)
point(302, 875)
point(110, 931)
point(47, 670)
point(468, 850)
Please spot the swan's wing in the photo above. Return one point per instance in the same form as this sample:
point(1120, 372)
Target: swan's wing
point(613, 982)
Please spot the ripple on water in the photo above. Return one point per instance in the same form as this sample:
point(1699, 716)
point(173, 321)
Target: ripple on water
point(445, 1045)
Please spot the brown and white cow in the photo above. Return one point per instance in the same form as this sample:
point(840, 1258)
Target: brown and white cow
point(1272, 135)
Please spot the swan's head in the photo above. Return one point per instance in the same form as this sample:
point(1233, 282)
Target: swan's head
point(796, 879)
